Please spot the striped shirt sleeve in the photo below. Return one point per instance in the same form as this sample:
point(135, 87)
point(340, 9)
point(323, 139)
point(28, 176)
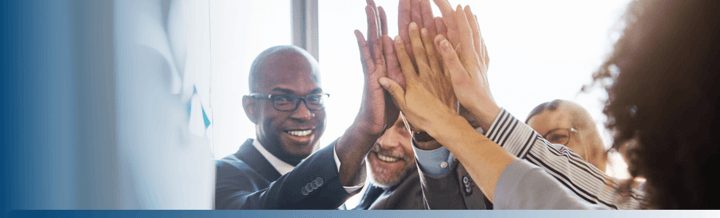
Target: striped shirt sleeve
point(584, 179)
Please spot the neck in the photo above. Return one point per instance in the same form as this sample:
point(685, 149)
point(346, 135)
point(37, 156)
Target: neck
point(278, 152)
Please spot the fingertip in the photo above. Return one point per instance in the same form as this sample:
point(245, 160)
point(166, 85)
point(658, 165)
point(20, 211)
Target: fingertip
point(424, 32)
point(398, 40)
point(445, 45)
point(387, 84)
point(439, 38)
point(359, 34)
point(413, 26)
point(467, 9)
point(459, 8)
point(384, 82)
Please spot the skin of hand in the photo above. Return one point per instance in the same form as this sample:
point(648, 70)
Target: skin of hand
point(451, 28)
point(377, 111)
point(468, 64)
point(426, 59)
point(420, 12)
point(484, 159)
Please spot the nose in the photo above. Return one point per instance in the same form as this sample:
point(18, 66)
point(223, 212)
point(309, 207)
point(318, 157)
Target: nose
point(390, 139)
point(302, 113)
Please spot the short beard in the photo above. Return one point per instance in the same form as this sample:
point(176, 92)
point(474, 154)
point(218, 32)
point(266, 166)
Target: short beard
point(393, 181)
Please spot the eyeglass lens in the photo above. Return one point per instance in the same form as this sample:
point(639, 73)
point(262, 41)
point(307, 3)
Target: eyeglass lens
point(558, 136)
point(287, 102)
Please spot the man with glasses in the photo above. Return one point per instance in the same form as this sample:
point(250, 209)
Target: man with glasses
point(283, 167)
point(569, 124)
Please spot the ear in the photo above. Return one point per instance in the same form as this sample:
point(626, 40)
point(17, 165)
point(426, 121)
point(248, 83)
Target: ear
point(251, 108)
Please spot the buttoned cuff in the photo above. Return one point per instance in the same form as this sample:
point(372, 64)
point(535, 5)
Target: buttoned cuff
point(359, 181)
point(436, 162)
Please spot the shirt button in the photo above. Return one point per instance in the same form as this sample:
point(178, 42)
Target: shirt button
point(443, 164)
point(466, 180)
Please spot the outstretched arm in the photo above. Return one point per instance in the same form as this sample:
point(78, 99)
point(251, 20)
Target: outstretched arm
point(467, 68)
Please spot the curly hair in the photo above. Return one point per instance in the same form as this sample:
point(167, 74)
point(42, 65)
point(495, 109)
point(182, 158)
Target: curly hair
point(662, 80)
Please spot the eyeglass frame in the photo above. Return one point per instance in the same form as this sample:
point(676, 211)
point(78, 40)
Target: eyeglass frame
point(570, 130)
point(297, 104)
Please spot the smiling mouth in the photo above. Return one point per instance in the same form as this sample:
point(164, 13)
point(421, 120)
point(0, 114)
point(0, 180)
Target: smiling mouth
point(299, 133)
point(387, 159)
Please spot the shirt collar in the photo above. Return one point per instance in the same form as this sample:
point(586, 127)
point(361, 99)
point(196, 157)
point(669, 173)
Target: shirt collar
point(281, 166)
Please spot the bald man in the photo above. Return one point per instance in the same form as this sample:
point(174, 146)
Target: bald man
point(282, 168)
point(567, 123)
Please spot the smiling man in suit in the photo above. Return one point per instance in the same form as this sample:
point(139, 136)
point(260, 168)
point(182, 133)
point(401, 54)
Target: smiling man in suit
point(395, 180)
point(286, 104)
point(283, 168)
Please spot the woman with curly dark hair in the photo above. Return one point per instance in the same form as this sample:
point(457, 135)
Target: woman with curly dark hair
point(660, 79)
point(664, 94)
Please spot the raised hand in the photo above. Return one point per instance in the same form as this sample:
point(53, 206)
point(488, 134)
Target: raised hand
point(430, 75)
point(377, 112)
point(468, 64)
point(426, 98)
point(426, 110)
point(420, 12)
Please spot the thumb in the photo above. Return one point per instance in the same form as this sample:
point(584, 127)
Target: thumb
point(395, 91)
point(458, 75)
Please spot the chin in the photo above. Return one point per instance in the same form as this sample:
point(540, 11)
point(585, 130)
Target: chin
point(299, 150)
point(386, 183)
point(396, 178)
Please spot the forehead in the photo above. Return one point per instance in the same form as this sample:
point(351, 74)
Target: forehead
point(288, 71)
point(548, 120)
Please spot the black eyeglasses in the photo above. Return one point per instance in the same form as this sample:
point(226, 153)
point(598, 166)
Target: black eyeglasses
point(559, 136)
point(290, 102)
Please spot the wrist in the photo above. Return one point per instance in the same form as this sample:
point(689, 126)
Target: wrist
point(355, 139)
point(443, 125)
point(485, 115)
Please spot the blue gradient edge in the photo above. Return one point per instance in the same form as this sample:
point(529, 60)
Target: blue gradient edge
point(358, 213)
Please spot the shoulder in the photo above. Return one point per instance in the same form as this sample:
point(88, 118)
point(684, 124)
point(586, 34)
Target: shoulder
point(232, 168)
point(231, 163)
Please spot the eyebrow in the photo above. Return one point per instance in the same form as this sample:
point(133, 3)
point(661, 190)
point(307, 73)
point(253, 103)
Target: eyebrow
point(289, 91)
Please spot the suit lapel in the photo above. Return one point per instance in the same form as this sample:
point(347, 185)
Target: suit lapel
point(250, 155)
point(371, 195)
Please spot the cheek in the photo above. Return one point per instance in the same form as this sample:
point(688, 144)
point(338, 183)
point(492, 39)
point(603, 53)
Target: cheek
point(409, 152)
point(272, 122)
point(320, 116)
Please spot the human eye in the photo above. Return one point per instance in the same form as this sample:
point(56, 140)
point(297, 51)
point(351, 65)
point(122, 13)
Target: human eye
point(283, 99)
point(315, 99)
point(557, 138)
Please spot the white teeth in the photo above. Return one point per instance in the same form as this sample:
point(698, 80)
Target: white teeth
point(387, 159)
point(300, 133)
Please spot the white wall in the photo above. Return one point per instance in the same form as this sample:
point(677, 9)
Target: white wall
point(240, 30)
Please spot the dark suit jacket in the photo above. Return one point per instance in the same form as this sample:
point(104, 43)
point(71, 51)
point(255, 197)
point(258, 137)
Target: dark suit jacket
point(456, 190)
point(406, 195)
point(246, 180)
